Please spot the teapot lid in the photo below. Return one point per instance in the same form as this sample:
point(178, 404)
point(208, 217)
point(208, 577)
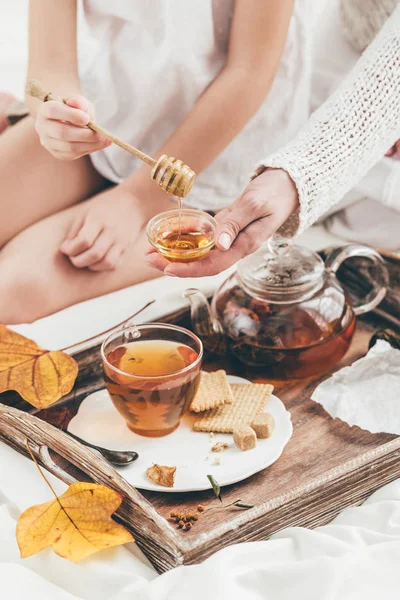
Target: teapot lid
point(281, 271)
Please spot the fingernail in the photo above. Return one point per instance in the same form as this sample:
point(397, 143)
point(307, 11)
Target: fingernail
point(224, 241)
point(85, 118)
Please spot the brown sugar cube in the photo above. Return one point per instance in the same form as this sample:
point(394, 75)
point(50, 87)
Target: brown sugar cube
point(245, 438)
point(263, 425)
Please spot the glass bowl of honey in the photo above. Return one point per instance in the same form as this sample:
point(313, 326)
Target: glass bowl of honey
point(182, 235)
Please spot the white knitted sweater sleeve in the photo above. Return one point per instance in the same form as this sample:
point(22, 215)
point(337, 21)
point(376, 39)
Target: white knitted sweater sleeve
point(348, 134)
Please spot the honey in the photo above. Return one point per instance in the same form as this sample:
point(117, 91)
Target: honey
point(182, 235)
point(195, 242)
point(180, 204)
point(152, 386)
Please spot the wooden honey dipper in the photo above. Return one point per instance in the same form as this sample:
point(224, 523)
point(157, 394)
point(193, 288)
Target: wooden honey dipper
point(172, 175)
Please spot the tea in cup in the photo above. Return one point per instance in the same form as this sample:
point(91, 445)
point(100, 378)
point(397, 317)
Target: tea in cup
point(152, 373)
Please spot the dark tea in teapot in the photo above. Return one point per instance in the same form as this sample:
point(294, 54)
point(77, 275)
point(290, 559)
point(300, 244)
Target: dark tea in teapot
point(290, 341)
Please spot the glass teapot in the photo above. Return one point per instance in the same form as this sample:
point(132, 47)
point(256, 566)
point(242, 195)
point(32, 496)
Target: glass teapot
point(284, 309)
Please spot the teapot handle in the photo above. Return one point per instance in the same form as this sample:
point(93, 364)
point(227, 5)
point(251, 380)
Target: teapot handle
point(381, 276)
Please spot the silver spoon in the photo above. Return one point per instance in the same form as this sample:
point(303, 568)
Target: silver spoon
point(115, 457)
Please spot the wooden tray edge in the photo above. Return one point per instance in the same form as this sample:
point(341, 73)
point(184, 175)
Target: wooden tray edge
point(371, 460)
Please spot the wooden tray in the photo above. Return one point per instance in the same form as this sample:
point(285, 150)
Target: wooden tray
point(326, 466)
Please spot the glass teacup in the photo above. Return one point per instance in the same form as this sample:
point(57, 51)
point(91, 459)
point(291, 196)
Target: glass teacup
point(182, 236)
point(152, 373)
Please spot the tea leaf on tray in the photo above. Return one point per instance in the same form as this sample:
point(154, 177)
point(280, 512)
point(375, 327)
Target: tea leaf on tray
point(216, 487)
point(243, 505)
point(40, 376)
point(76, 524)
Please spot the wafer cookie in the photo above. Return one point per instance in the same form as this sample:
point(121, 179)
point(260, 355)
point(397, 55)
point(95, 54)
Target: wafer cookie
point(214, 390)
point(248, 401)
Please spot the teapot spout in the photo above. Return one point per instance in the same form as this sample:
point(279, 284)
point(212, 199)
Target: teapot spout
point(204, 324)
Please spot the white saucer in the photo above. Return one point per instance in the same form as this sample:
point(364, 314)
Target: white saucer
point(98, 422)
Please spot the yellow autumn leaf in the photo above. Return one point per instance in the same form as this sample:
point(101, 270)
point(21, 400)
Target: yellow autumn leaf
point(76, 524)
point(40, 376)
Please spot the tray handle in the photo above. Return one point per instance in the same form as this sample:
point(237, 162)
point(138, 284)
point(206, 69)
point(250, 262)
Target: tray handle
point(45, 458)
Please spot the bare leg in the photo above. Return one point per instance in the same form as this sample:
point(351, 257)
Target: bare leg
point(33, 184)
point(38, 280)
